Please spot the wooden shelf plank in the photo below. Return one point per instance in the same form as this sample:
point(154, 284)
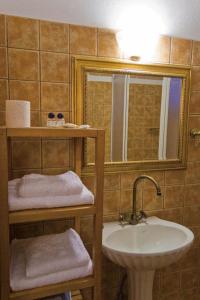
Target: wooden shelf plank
point(33, 215)
point(52, 132)
point(53, 289)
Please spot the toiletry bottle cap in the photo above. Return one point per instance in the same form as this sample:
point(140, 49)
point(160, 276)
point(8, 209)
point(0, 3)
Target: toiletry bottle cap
point(60, 116)
point(51, 115)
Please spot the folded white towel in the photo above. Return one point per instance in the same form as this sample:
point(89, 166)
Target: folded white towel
point(55, 252)
point(37, 185)
point(21, 203)
point(19, 281)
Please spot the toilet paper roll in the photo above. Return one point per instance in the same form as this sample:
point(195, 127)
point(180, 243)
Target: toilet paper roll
point(17, 113)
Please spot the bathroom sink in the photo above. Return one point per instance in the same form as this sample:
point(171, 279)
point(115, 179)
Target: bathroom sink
point(154, 244)
point(144, 247)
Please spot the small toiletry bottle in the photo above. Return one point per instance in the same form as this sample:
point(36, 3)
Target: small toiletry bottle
point(51, 121)
point(60, 119)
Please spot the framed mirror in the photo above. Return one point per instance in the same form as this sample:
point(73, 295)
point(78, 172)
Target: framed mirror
point(144, 109)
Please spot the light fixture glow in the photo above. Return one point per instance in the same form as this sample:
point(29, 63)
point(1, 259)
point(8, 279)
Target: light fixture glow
point(140, 33)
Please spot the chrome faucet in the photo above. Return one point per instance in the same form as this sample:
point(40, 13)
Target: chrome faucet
point(135, 218)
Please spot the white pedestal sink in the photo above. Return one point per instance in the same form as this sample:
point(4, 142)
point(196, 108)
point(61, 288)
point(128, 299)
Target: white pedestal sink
point(144, 247)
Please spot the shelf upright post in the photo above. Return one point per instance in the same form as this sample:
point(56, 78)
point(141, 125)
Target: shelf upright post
point(98, 218)
point(4, 223)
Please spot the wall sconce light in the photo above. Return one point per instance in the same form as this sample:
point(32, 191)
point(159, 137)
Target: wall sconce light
point(139, 36)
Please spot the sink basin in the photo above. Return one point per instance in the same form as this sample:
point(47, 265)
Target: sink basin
point(144, 247)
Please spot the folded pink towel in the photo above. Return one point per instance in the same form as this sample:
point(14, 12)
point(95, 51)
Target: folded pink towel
point(19, 281)
point(54, 253)
point(20, 203)
point(37, 185)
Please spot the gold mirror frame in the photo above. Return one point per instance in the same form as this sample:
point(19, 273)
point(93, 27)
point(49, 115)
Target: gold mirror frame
point(81, 65)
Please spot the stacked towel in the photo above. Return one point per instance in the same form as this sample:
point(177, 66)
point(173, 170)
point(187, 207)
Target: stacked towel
point(48, 199)
point(37, 185)
point(38, 262)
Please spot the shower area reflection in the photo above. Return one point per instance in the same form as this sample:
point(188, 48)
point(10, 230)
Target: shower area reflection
point(141, 115)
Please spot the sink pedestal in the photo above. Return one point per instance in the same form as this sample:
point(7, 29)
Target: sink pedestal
point(140, 284)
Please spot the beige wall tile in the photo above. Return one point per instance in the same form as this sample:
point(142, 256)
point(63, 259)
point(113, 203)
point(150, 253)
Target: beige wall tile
point(195, 82)
point(55, 153)
point(193, 146)
point(3, 40)
point(195, 103)
point(192, 173)
point(192, 193)
point(162, 51)
point(3, 63)
point(23, 32)
point(170, 283)
point(112, 182)
point(26, 90)
point(23, 64)
point(26, 154)
point(83, 40)
point(54, 67)
point(3, 93)
point(107, 44)
point(190, 278)
point(23, 231)
point(111, 202)
point(196, 53)
point(54, 36)
point(157, 175)
point(127, 179)
point(54, 97)
point(181, 51)
point(2, 118)
point(174, 177)
point(87, 229)
point(35, 118)
point(150, 199)
point(174, 196)
point(191, 215)
point(56, 226)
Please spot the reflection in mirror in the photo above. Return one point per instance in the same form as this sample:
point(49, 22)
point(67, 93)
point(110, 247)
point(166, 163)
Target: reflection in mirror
point(141, 114)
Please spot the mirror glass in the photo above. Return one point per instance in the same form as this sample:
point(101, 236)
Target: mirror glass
point(141, 114)
point(143, 109)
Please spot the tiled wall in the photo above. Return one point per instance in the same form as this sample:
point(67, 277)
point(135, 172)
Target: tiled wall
point(98, 108)
point(35, 64)
point(143, 121)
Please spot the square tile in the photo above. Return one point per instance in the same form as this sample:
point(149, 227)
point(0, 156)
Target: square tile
point(23, 64)
point(2, 118)
point(3, 63)
point(35, 118)
point(54, 97)
point(54, 67)
point(195, 82)
point(162, 51)
point(195, 103)
point(83, 40)
point(3, 93)
point(26, 90)
point(174, 196)
point(111, 202)
point(23, 32)
point(26, 154)
point(3, 30)
point(193, 146)
point(54, 36)
point(181, 51)
point(175, 177)
point(107, 44)
point(55, 153)
point(196, 53)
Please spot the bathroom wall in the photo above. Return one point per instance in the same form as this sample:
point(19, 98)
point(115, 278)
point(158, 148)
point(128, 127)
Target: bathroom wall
point(35, 64)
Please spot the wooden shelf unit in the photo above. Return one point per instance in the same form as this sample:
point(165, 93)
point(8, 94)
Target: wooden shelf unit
point(34, 215)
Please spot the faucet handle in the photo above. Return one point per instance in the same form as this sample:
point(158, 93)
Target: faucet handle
point(143, 214)
point(142, 217)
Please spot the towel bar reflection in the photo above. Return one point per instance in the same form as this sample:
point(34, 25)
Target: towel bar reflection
point(195, 133)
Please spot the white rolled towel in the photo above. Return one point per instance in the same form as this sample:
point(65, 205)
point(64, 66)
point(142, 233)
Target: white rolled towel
point(37, 185)
point(54, 253)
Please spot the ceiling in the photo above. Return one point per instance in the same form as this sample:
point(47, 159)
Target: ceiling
point(180, 18)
